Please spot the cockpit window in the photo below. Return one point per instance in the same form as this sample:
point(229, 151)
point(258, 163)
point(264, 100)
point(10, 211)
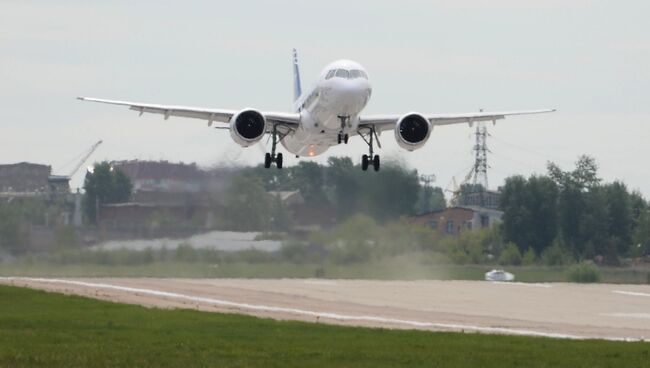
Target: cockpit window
point(355, 73)
point(342, 73)
point(330, 74)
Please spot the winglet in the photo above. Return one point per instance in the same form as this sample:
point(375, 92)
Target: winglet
point(297, 89)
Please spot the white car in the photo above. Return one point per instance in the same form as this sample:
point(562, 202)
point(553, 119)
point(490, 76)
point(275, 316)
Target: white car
point(499, 275)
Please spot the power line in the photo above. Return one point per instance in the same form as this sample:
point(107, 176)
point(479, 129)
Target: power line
point(524, 149)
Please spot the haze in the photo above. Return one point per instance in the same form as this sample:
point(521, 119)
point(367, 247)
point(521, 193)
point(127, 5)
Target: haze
point(588, 59)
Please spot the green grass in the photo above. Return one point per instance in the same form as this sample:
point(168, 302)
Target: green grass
point(404, 267)
point(41, 329)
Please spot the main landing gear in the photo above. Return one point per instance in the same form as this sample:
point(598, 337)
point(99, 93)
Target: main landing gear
point(272, 157)
point(343, 138)
point(371, 158)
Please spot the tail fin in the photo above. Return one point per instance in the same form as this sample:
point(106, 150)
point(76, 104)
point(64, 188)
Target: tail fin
point(297, 90)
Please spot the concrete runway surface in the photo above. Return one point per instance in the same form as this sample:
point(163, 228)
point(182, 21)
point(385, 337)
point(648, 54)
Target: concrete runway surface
point(603, 311)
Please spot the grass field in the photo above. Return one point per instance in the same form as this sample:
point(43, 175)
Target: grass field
point(406, 267)
point(43, 329)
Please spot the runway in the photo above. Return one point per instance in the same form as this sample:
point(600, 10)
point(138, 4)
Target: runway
point(603, 311)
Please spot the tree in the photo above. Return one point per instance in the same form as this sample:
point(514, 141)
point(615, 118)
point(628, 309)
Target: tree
point(281, 219)
point(530, 212)
point(642, 234)
point(431, 199)
point(105, 185)
point(343, 184)
point(620, 215)
point(593, 225)
point(574, 202)
point(308, 178)
point(248, 205)
point(390, 193)
point(510, 255)
point(583, 177)
point(13, 235)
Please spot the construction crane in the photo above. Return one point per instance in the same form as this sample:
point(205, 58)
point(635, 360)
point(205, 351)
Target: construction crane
point(85, 158)
point(64, 179)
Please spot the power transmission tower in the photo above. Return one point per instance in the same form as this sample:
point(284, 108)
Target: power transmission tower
point(481, 150)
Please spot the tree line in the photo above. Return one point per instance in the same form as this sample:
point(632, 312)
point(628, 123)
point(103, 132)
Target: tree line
point(343, 187)
point(576, 213)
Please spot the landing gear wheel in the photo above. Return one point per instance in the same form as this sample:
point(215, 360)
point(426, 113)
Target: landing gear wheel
point(345, 139)
point(270, 158)
point(340, 138)
point(278, 161)
point(369, 159)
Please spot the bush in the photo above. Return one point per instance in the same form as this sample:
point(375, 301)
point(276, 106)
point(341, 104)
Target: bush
point(529, 257)
point(299, 252)
point(554, 255)
point(510, 255)
point(584, 272)
point(65, 237)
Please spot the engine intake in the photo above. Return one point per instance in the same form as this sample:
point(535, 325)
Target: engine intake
point(412, 131)
point(247, 127)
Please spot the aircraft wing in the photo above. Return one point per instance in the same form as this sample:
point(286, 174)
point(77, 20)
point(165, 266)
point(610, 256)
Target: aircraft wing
point(210, 115)
point(386, 122)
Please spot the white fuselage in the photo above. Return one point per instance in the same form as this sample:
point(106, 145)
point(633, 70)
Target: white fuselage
point(330, 108)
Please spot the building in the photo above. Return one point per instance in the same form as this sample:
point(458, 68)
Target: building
point(178, 194)
point(162, 176)
point(454, 220)
point(24, 177)
point(26, 180)
point(483, 198)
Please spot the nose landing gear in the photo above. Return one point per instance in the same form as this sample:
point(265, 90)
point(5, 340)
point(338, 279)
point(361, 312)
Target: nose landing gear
point(343, 137)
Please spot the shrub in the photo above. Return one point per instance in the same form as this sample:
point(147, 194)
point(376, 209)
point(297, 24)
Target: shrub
point(529, 257)
point(510, 255)
point(584, 272)
point(186, 253)
point(65, 237)
point(298, 252)
point(554, 255)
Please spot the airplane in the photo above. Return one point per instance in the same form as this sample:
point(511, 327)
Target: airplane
point(326, 115)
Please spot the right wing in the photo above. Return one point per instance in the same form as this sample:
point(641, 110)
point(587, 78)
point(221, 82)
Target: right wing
point(210, 115)
point(386, 122)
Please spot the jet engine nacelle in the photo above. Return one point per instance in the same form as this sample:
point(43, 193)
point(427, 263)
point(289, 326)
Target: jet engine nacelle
point(247, 127)
point(412, 131)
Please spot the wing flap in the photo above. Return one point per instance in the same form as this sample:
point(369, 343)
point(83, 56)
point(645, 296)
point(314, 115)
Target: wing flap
point(386, 122)
point(210, 115)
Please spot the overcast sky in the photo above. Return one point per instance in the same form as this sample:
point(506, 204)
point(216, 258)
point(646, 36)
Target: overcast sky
point(588, 59)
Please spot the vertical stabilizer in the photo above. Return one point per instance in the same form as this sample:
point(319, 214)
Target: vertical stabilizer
point(297, 90)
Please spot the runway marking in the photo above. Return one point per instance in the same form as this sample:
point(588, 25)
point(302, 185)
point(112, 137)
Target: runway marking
point(632, 293)
point(522, 284)
point(321, 282)
point(327, 315)
point(628, 315)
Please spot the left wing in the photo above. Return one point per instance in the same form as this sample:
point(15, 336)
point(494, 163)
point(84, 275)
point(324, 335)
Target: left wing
point(210, 115)
point(386, 122)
